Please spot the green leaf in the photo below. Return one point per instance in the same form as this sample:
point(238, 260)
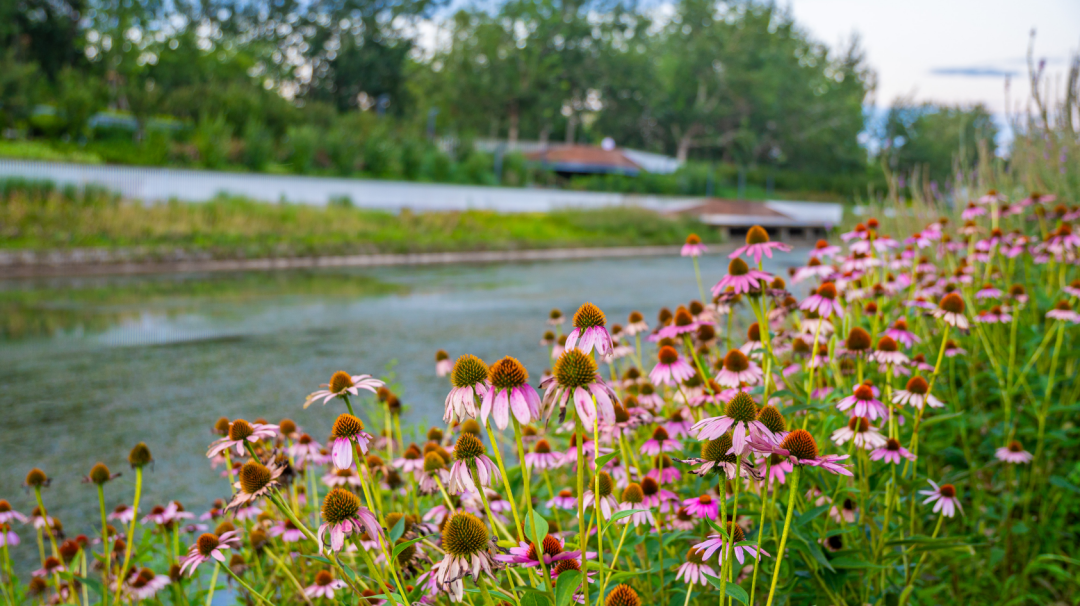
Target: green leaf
point(399, 547)
point(731, 589)
point(565, 586)
point(1061, 482)
point(539, 528)
point(810, 515)
point(940, 419)
point(851, 562)
point(717, 527)
point(397, 530)
point(625, 514)
point(604, 460)
point(93, 584)
point(532, 598)
point(317, 558)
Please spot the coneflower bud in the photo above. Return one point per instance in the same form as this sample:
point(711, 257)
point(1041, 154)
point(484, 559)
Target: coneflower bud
point(99, 474)
point(588, 316)
point(36, 478)
point(464, 535)
point(623, 595)
point(858, 339)
point(800, 444)
point(771, 418)
point(663, 315)
point(575, 369)
point(471, 426)
point(435, 434)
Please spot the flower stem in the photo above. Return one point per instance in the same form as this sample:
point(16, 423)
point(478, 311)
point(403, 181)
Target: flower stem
point(794, 489)
point(131, 537)
point(529, 517)
point(614, 561)
point(105, 544)
point(213, 584)
point(697, 273)
point(915, 574)
point(582, 532)
point(506, 479)
point(761, 526)
point(243, 584)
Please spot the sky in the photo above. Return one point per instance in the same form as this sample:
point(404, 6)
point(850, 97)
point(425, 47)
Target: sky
point(949, 51)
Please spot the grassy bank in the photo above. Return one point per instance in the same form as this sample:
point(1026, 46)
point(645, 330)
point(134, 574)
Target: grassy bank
point(37, 217)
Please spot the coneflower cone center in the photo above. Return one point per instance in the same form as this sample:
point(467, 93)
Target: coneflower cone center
point(683, 317)
point(892, 444)
point(649, 486)
point(507, 373)
point(324, 578)
point(1015, 446)
point(633, 493)
point(622, 595)
point(606, 484)
point(736, 361)
point(550, 545)
point(738, 267)
point(864, 392)
point(859, 424)
point(952, 303)
point(99, 474)
point(800, 444)
point(947, 490)
point(468, 447)
point(566, 565)
point(588, 316)
point(340, 505)
point(406, 554)
point(468, 370)
point(668, 355)
point(886, 344)
point(660, 434)
point(918, 385)
point(827, 290)
point(347, 426)
point(742, 408)
point(694, 556)
point(340, 381)
point(206, 544)
point(240, 430)
point(575, 369)
point(693, 239)
point(464, 535)
point(254, 476)
point(771, 418)
point(858, 339)
point(735, 532)
point(717, 450)
point(621, 416)
point(1062, 306)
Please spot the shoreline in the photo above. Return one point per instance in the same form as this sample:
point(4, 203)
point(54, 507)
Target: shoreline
point(47, 269)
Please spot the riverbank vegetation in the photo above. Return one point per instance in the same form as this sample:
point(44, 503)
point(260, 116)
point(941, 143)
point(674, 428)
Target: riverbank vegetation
point(39, 217)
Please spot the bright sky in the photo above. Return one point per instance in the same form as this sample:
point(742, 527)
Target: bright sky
point(949, 51)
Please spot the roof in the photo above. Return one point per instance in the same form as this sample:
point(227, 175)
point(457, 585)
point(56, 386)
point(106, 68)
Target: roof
point(585, 159)
point(771, 213)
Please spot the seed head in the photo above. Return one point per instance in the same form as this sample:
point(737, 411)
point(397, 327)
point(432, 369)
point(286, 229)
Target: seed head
point(633, 493)
point(800, 444)
point(738, 267)
point(717, 450)
point(887, 344)
point(346, 426)
point(468, 371)
point(736, 361)
point(287, 427)
point(433, 462)
point(99, 474)
point(507, 373)
point(221, 427)
point(140, 455)
point(468, 447)
point(340, 505)
point(254, 476)
point(37, 478)
point(588, 316)
point(918, 385)
point(622, 595)
point(206, 544)
point(464, 535)
point(771, 418)
point(606, 483)
point(952, 303)
point(757, 235)
point(858, 339)
point(575, 369)
point(240, 430)
point(741, 407)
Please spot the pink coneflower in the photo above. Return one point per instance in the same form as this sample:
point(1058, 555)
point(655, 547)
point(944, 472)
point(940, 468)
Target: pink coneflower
point(288, 531)
point(859, 429)
point(342, 385)
point(443, 365)
point(467, 544)
point(988, 291)
point(887, 352)
point(915, 393)
point(589, 331)
point(738, 370)
point(255, 480)
point(671, 368)
point(144, 585)
point(1013, 453)
point(1062, 240)
point(740, 278)
point(8, 515)
point(469, 454)
point(469, 378)
point(678, 424)
point(347, 430)
point(682, 520)
point(660, 442)
point(864, 403)
point(608, 504)
point(845, 513)
point(209, 546)
point(122, 513)
point(695, 570)
point(411, 461)
point(509, 392)
point(693, 246)
point(900, 333)
point(342, 477)
point(822, 248)
point(801, 449)
point(576, 378)
point(655, 496)
point(741, 417)
point(951, 311)
point(8, 538)
point(166, 515)
point(304, 449)
point(1072, 289)
point(702, 507)
point(434, 473)
point(892, 452)
point(758, 244)
point(994, 315)
point(52, 565)
point(972, 211)
point(527, 555)
point(944, 499)
point(778, 467)
point(1063, 311)
point(648, 397)
point(952, 349)
point(860, 232)
point(542, 457)
point(720, 543)
point(681, 324)
point(342, 516)
point(664, 471)
point(564, 500)
point(240, 433)
point(813, 269)
point(823, 302)
point(1038, 198)
point(324, 586)
point(633, 498)
point(716, 458)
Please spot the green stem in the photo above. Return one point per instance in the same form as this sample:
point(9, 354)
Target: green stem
point(506, 479)
point(583, 536)
point(105, 544)
point(761, 526)
point(243, 584)
point(794, 488)
point(914, 575)
point(213, 584)
point(131, 536)
point(530, 517)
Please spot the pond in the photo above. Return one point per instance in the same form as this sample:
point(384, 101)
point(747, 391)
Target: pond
point(89, 367)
